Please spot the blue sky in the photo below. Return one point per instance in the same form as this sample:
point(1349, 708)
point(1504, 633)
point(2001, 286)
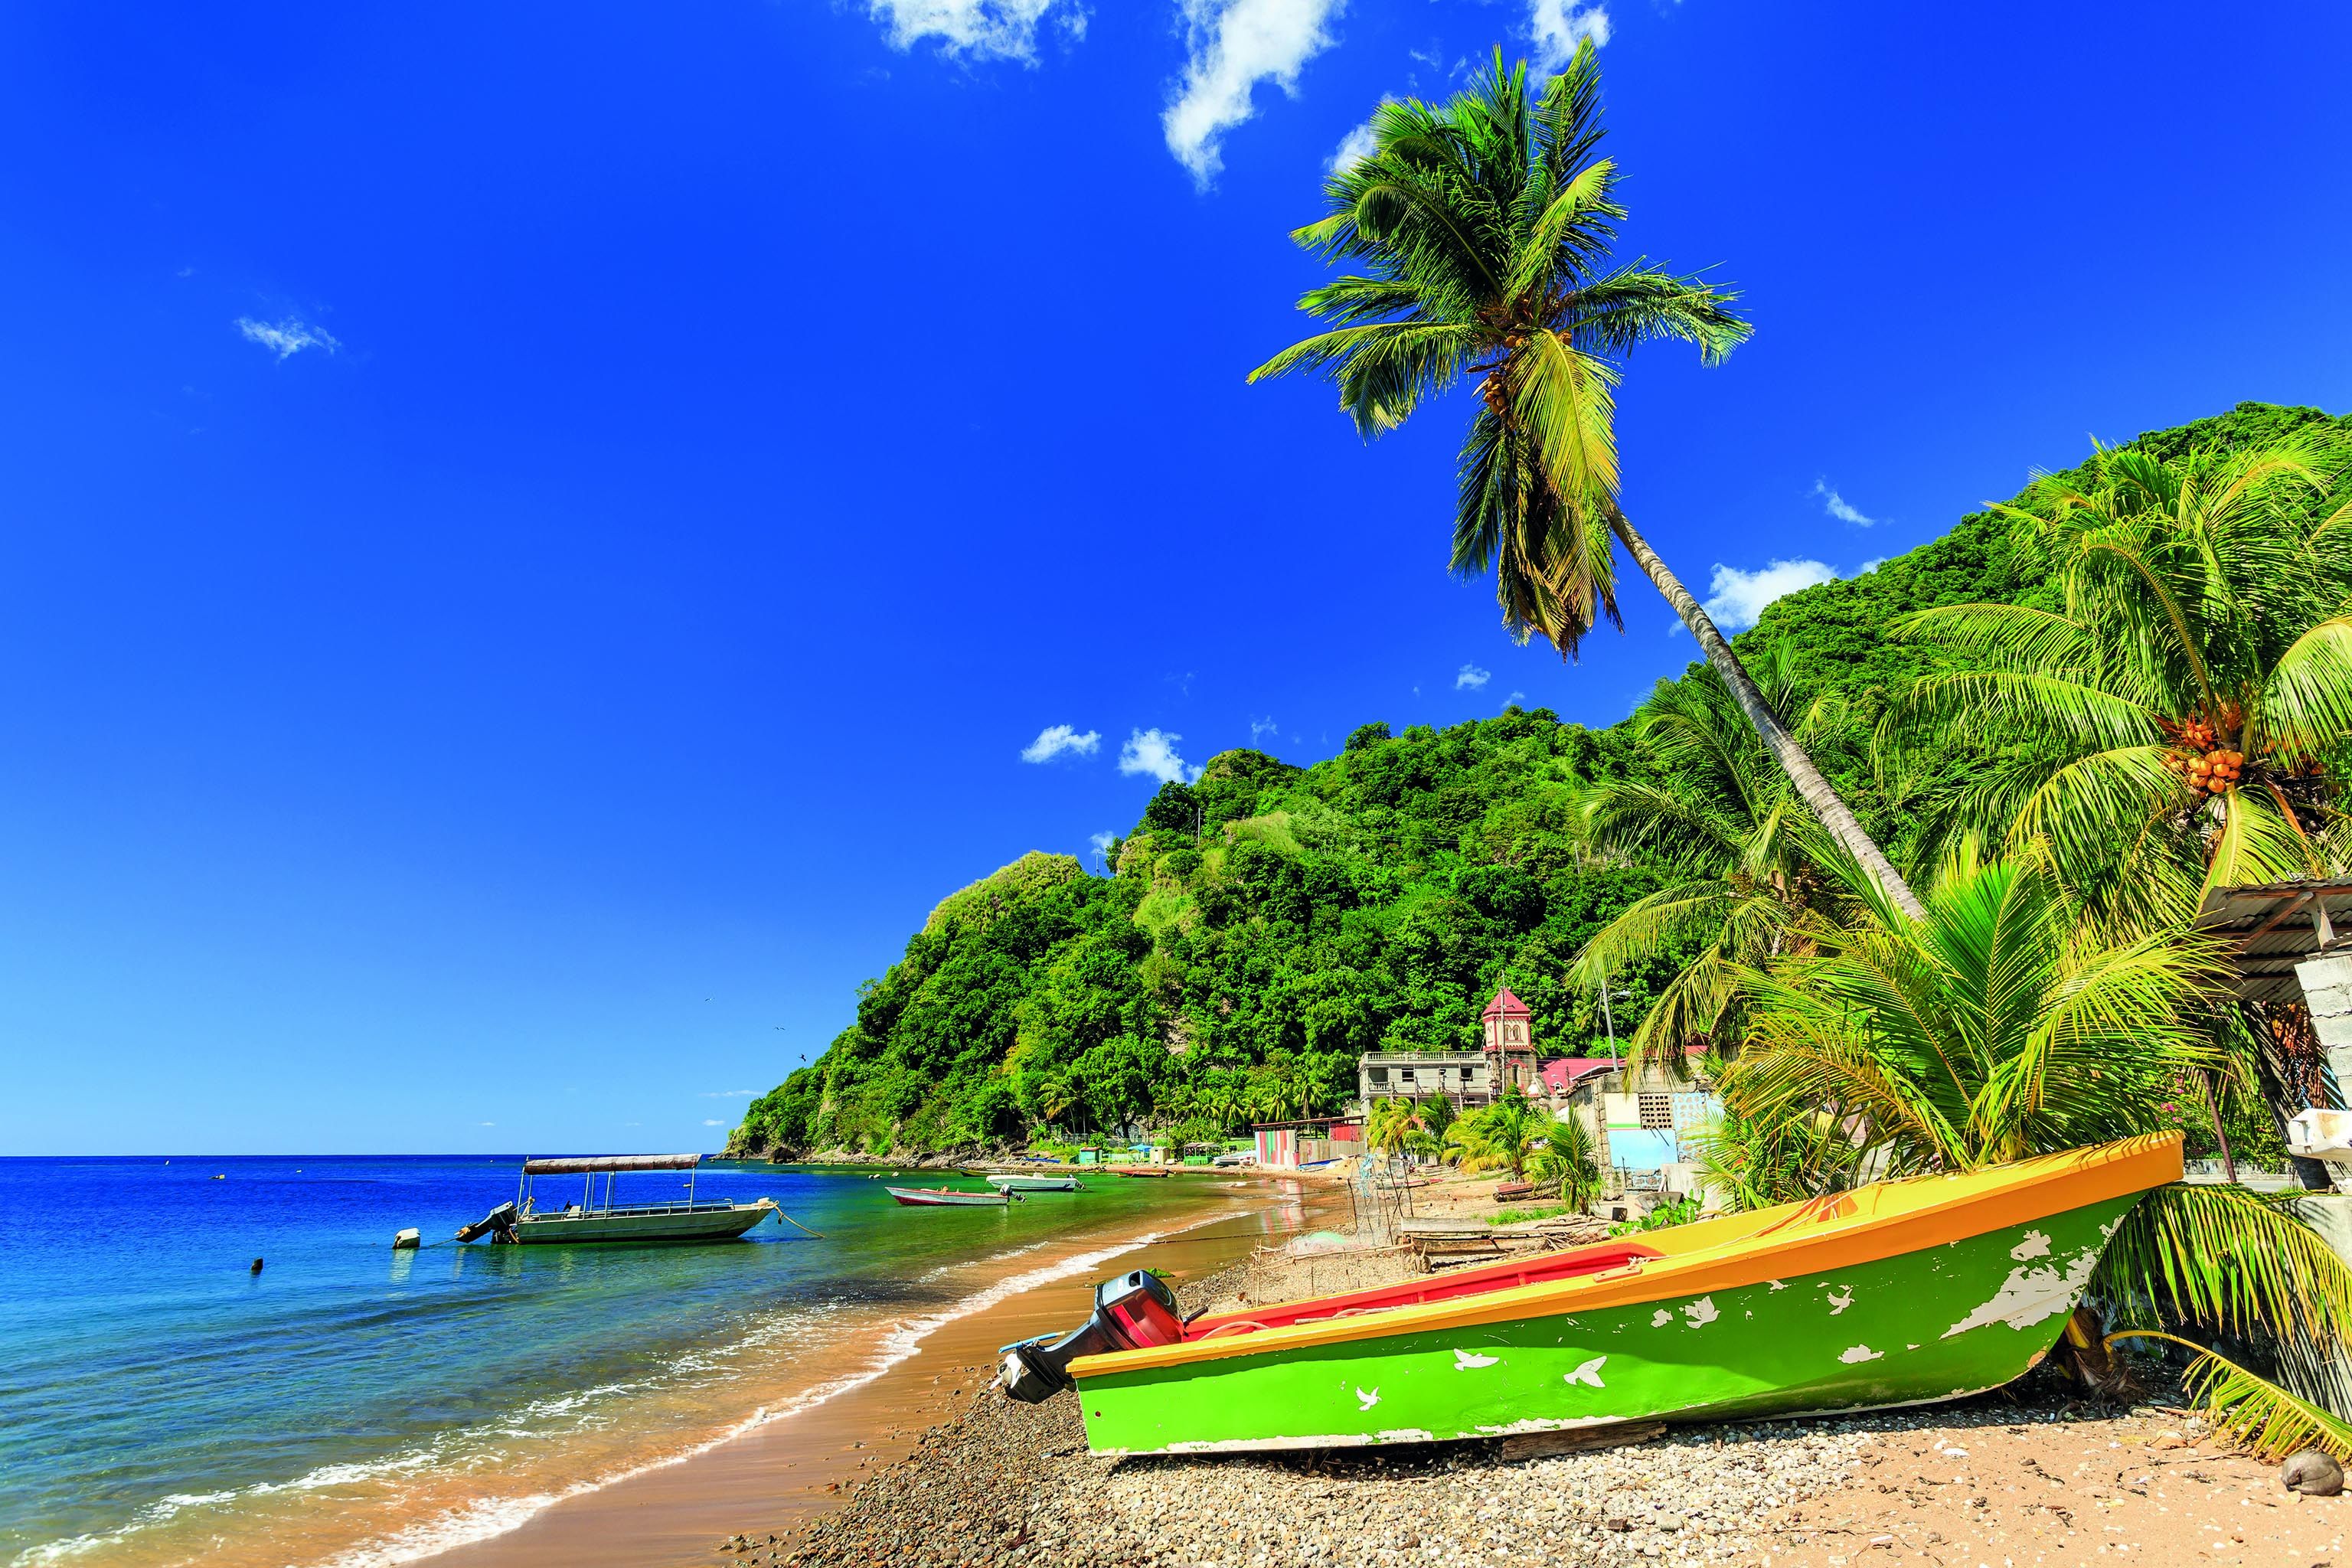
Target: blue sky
point(537, 537)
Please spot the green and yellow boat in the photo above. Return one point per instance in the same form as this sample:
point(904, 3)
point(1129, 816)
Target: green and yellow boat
point(1899, 1293)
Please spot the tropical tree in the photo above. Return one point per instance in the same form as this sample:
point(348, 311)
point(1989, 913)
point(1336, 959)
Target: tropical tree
point(2179, 720)
point(1499, 1133)
point(1567, 1159)
point(1388, 1125)
point(1996, 1028)
point(1744, 860)
point(1436, 1112)
point(1751, 1163)
point(1485, 226)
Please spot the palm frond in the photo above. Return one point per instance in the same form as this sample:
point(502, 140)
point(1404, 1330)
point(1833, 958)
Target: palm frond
point(2222, 1256)
point(2306, 706)
point(1613, 314)
point(2007, 637)
point(2251, 1410)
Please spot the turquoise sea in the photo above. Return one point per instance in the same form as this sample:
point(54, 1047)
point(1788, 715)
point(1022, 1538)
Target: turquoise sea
point(348, 1405)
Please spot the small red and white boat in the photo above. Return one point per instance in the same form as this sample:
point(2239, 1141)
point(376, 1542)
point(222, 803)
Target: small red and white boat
point(946, 1197)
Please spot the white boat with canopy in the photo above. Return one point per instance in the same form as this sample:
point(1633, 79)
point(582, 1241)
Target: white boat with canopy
point(597, 1218)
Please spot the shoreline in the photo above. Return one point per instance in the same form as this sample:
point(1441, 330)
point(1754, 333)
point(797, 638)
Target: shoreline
point(2023, 1475)
point(778, 1473)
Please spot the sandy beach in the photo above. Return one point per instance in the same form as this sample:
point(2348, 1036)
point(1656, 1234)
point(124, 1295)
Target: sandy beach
point(929, 1468)
point(2026, 1475)
point(779, 1475)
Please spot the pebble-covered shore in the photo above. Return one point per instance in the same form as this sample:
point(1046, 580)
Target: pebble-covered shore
point(1008, 1484)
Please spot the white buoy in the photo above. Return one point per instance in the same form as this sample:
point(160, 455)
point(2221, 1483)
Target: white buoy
point(408, 1240)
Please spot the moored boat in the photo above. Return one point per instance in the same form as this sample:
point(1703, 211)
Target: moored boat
point(1005, 1182)
point(522, 1221)
point(946, 1197)
point(1134, 1171)
point(1899, 1293)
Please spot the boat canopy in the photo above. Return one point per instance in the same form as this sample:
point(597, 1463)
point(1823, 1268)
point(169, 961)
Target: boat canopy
point(581, 1163)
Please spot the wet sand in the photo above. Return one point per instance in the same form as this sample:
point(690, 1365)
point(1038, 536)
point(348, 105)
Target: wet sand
point(779, 1475)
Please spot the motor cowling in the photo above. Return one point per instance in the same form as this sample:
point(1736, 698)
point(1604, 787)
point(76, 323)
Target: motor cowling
point(1130, 1312)
point(499, 1224)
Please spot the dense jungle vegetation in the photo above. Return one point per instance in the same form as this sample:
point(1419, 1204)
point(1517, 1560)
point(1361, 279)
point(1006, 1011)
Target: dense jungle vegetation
point(1258, 928)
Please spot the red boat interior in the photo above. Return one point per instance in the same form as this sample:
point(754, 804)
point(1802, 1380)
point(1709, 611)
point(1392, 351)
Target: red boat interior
point(1543, 1269)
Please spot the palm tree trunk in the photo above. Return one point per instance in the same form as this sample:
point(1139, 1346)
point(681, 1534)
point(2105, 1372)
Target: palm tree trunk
point(1816, 791)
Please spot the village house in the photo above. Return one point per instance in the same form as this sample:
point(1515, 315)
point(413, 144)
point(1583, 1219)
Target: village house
point(1648, 1125)
point(1469, 1078)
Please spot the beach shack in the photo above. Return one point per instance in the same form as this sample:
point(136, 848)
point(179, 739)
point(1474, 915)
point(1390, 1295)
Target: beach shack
point(1316, 1141)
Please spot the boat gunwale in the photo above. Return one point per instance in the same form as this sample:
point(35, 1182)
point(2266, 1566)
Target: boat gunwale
point(1993, 1198)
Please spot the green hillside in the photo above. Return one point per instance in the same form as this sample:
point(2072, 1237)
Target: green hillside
point(1260, 927)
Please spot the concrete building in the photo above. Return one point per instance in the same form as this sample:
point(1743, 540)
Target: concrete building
point(1463, 1077)
point(1469, 1079)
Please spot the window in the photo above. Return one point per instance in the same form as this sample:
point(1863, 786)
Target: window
point(1657, 1111)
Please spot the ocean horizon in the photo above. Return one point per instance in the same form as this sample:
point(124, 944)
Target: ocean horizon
point(349, 1404)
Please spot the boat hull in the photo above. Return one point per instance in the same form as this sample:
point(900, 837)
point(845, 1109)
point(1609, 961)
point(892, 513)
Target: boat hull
point(702, 1222)
point(1912, 1308)
point(928, 1198)
point(1034, 1183)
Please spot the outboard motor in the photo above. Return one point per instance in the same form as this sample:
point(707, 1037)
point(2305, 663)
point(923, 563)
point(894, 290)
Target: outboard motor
point(498, 1224)
point(1130, 1312)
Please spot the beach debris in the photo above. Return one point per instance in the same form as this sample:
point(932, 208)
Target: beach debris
point(408, 1240)
point(2312, 1474)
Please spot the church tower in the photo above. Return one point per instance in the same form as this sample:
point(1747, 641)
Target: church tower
point(1510, 1048)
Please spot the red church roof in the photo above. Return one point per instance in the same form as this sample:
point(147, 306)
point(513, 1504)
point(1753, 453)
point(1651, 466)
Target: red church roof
point(1506, 1005)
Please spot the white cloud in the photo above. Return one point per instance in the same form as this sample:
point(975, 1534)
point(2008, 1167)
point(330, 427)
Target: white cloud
point(984, 29)
point(707, 1121)
point(1151, 753)
point(1872, 564)
point(485, 1124)
point(1055, 739)
point(729, 1094)
point(1102, 842)
point(1354, 147)
point(287, 338)
point(1515, 697)
point(1234, 46)
point(1472, 677)
point(1558, 25)
point(1261, 728)
point(1735, 598)
point(1838, 507)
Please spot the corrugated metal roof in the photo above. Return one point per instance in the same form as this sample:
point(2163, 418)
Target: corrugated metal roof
point(2274, 926)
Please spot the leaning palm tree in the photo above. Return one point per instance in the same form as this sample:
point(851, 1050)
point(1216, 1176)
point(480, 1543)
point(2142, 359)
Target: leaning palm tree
point(1743, 860)
point(2177, 721)
point(1996, 1029)
point(1485, 225)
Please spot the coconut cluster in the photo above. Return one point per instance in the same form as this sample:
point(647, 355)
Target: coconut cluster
point(2210, 771)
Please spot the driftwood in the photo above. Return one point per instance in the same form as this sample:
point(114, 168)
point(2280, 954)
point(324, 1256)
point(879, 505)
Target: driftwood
point(1579, 1439)
point(1446, 1243)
